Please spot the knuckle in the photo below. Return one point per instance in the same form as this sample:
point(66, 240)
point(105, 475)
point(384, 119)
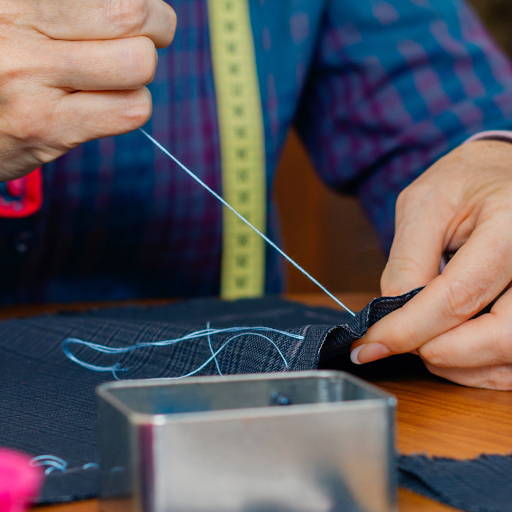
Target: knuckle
point(128, 16)
point(463, 300)
point(499, 378)
point(27, 125)
point(403, 198)
point(433, 356)
point(174, 18)
point(391, 281)
point(400, 264)
point(388, 285)
point(500, 343)
point(411, 194)
point(400, 340)
point(139, 109)
point(143, 60)
point(420, 194)
point(11, 69)
point(173, 24)
point(21, 62)
point(434, 370)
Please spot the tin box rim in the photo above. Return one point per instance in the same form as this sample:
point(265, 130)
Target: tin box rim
point(104, 392)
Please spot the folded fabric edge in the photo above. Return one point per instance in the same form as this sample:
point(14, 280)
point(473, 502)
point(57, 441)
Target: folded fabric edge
point(335, 348)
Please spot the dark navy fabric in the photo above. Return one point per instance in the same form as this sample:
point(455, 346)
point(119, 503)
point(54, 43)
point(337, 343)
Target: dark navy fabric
point(48, 402)
point(483, 484)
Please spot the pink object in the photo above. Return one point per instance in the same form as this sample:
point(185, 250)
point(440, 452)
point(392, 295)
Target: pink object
point(19, 481)
point(503, 135)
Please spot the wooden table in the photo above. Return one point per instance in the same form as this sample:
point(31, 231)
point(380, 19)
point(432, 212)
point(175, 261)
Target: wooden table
point(434, 417)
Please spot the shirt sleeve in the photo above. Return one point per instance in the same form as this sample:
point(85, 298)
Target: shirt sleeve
point(392, 87)
point(501, 135)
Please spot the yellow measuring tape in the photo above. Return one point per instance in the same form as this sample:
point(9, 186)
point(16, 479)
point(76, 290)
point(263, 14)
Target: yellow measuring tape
point(242, 147)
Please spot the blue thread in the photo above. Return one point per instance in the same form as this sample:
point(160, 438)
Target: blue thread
point(53, 463)
point(42, 458)
point(224, 345)
point(212, 351)
point(50, 463)
point(90, 465)
point(245, 221)
point(208, 332)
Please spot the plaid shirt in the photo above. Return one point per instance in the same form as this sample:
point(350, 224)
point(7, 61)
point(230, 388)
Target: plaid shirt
point(378, 90)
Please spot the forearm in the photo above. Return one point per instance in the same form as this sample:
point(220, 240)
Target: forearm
point(390, 97)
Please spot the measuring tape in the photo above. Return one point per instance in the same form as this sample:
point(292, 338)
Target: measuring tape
point(242, 147)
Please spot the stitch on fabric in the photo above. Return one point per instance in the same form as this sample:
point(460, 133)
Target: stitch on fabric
point(117, 368)
point(219, 371)
point(51, 463)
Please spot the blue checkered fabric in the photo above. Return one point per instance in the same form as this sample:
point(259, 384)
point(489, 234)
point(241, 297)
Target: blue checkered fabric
point(377, 89)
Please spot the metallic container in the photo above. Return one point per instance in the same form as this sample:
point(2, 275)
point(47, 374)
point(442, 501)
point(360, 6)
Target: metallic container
point(302, 442)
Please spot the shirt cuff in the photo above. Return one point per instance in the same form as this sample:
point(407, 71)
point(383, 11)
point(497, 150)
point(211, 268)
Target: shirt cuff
point(503, 135)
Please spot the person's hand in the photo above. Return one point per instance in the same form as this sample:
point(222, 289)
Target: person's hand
point(72, 71)
point(462, 203)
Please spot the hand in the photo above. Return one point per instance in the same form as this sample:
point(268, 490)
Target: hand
point(462, 203)
point(72, 71)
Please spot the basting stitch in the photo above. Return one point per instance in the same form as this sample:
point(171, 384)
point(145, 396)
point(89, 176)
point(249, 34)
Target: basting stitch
point(117, 368)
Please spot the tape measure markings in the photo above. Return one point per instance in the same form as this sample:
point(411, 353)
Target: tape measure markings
point(242, 147)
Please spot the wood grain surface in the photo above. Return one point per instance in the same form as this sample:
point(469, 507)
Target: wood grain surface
point(434, 416)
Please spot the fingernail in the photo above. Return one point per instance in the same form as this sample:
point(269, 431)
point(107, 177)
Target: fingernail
point(368, 353)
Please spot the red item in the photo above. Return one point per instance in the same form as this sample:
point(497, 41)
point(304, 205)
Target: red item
point(28, 195)
point(19, 481)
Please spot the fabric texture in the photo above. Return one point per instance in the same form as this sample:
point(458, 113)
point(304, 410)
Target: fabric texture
point(478, 485)
point(49, 405)
point(378, 90)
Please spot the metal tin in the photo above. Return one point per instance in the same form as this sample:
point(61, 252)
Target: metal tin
point(302, 442)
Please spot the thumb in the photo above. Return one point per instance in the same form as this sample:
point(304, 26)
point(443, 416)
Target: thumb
point(422, 220)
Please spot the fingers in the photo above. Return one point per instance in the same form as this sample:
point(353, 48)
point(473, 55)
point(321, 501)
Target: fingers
point(473, 344)
point(483, 341)
point(477, 274)
point(85, 116)
point(105, 19)
point(490, 377)
point(69, 120)
point(102, 65)
point(418, 243)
